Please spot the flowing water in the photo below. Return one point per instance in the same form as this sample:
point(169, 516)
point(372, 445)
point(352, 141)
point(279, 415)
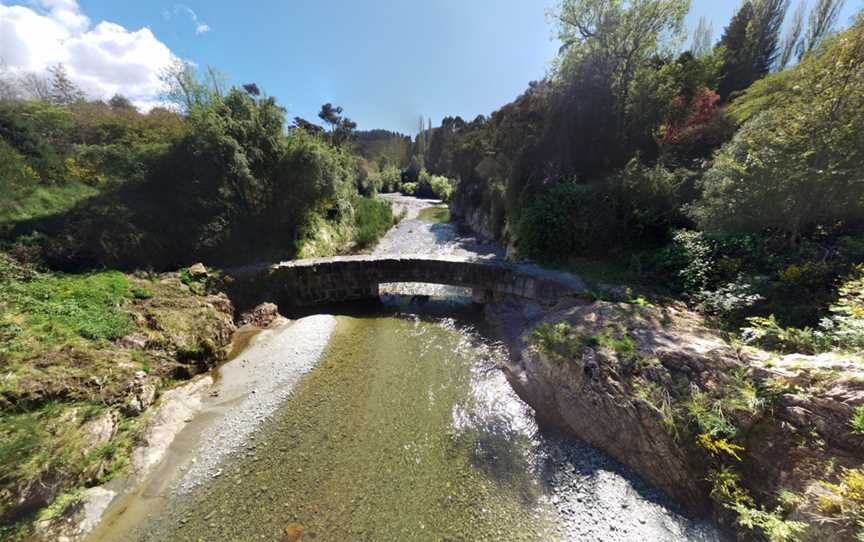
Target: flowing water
point(408, 430)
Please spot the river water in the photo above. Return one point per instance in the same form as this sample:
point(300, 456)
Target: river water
point(408, 430)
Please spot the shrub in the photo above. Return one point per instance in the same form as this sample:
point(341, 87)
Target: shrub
point(845, 325)
point(24, 130)
point(409, 189)
point(797, 166)
point(390, 179)
point(648, 198)
point(442, 187)
point(372, 217)
point(845, 502)
point(692, 258)
point(727, 300)
point(568, 219)
point(857, 420)
point(768, 333)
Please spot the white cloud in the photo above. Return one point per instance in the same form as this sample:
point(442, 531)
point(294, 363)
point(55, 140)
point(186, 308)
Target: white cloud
point(103, 59)
point(200, 26)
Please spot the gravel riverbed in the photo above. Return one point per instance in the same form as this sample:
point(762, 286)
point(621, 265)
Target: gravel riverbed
point(253, 386)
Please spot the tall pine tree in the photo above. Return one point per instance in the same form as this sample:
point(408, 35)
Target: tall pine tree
point(751, 44)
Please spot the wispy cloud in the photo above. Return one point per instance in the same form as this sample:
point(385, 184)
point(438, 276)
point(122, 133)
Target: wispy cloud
point(180, 9)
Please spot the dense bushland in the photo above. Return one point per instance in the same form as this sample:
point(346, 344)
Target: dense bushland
point(718, 171)
point(100, 184)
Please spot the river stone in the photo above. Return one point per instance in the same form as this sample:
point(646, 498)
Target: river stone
point(198, 271)
point(262, 316)
point(177, 407)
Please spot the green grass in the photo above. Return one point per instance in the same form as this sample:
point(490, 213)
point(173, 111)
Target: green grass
point(61, 365)
point(563, 341)
point(52, 309)
point(42, 200)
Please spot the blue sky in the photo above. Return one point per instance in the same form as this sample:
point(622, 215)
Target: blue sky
point(385, 61)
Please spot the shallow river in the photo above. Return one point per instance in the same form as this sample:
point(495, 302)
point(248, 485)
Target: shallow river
point(408, 430)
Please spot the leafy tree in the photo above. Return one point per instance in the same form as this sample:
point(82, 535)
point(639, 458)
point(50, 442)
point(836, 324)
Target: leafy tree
point(27, 129)
point(118, 102)
point(751, 43)
point(341, 128)
point(252, 89)
point(187, 90)
point(797, 165)
point(616, 38)
point(310, 127)
point(764, 34)
point(670, 101)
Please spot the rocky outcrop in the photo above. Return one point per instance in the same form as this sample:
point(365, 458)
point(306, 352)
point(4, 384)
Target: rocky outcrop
point(661, 392)
point(475, 215)
point(594, 392)
point(262, 316)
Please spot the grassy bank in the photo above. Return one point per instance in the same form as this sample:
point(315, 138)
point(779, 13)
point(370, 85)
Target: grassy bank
point(81, 358)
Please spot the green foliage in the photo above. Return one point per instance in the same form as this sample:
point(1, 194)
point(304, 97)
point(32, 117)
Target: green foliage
point(843, 329)
point(442, 187)
point(768, 333)
point(568, 219)
point(564, 343)
point(649, 199)
point(28, 130)
point(797, 166)
point(557, 340)
point(711, 417)
point(390, 179)
point(25, 196)
point(409, 189)
point(727, 491)
point(845, 325)
point(373, 217)
point(692, 256)
point(139, 292)
point(845, 501)
point(198, 285)
point(857, 420)
point(227, 185)
point(58, 306)
point(728, 300)
point(593, 29)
